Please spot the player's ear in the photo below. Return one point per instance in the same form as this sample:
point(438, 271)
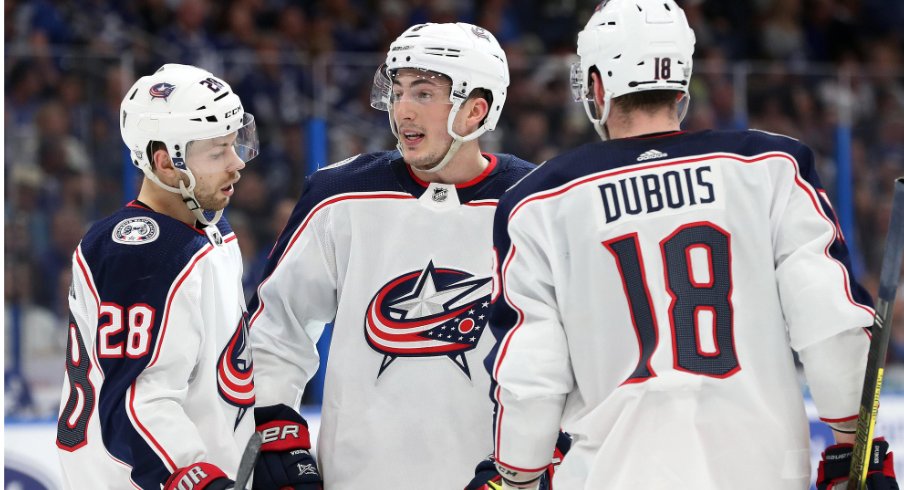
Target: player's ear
point(477, 110)
point(598, 91)
point(162, 162)
point(597, 88)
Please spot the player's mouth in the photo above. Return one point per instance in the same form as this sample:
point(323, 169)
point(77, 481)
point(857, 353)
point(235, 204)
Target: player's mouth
point(412, 138)
point(229, 190)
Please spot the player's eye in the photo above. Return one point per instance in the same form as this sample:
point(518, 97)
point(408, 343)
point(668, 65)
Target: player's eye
point(424, 96)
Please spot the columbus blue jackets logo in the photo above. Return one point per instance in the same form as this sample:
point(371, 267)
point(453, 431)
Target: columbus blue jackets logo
point(428, 313)
point(136, 231)
point(162, 90)
point(235, 378)
point(480, 32)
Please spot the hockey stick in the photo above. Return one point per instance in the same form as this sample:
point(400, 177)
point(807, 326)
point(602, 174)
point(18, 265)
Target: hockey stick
point(249, 459)
point(881, 332)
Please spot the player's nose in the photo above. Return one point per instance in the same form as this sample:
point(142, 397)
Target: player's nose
point(236, 164)
point(404, 109)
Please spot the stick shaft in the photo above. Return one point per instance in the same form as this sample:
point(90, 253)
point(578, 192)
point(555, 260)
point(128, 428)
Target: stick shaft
point(881, 334)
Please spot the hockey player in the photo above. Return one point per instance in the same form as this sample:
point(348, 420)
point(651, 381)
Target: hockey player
point(655, 284)
point(396, 247)
point(158, 368)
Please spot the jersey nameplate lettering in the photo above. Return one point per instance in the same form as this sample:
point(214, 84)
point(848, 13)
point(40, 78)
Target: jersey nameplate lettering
point(661, 191)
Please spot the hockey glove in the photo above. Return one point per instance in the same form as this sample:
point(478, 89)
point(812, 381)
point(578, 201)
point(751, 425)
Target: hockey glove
point(199, 476)
point(836, 466)
point(487, 477)
point(285, 461)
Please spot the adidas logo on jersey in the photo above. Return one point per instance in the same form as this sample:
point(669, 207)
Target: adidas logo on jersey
point(651, 154)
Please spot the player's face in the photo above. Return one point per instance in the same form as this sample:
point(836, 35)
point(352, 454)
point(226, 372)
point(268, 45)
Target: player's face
point(420, 109)
point(216, 166)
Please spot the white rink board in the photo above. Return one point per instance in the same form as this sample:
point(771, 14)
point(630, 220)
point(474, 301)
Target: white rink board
point(30, 447)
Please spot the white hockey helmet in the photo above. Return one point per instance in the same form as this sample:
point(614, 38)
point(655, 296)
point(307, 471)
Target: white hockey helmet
point(636, 45)
point(468, 55)
point(178, 105)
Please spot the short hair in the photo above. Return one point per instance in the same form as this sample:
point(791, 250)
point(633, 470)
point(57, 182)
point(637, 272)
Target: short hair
point(647, 101)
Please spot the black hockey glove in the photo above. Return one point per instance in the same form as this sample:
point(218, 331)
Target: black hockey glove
point(285, 461)
point(199, 476)
point(836, 466)
point(487, 477)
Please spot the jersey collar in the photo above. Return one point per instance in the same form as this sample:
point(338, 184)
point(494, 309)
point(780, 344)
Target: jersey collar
point(491, 166)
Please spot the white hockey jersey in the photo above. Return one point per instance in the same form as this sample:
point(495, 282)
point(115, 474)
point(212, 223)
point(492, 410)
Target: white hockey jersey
point(158, 368)
point(653, 291)
point(405, 268)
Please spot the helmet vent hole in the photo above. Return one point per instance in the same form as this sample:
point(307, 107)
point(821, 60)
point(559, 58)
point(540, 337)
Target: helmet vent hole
point(133, 94)
point(221, 96)
point(610, 73)
point(408, 58)
point(617, 57)
point(638, 8)
point(211, 118)
point(195, 119)
point(667, 7)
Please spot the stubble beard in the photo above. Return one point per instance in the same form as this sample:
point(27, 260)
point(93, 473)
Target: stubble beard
point(428, 161)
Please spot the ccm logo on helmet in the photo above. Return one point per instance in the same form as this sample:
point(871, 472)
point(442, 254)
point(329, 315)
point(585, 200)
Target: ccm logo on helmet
point(232, 112)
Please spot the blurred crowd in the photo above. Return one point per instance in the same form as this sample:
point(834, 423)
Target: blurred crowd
point(797, 67)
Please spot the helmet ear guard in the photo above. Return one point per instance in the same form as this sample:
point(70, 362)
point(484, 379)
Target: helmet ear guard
point(635, 45)
point(468, 55)
point(179, 105)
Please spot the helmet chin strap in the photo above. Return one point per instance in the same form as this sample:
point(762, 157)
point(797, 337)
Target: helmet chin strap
point(457, 140)
point(188, 196)
point(453, 149)
point(599, 124)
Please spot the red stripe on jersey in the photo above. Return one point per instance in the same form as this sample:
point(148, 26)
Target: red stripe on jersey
point(169, 461)
point(502, 352)
point(169, 300)
point(488, 202)
point(304, 224)
point(491, 165)
point(89, 281)
point(809, 190)
point(844, 419)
